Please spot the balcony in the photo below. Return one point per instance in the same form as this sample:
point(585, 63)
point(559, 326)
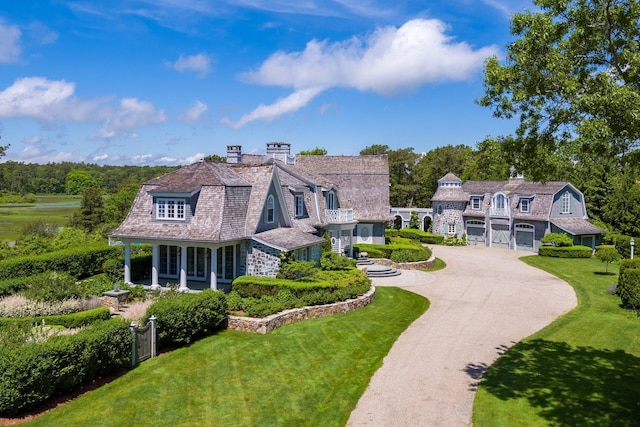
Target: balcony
point(339, 216)
point(503, 212)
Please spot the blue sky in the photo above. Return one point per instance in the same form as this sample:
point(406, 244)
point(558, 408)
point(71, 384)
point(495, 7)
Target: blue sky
point(146, 82)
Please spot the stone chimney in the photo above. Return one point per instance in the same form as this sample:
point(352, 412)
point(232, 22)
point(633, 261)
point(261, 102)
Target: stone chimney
point(234, 154)
point(280, 151)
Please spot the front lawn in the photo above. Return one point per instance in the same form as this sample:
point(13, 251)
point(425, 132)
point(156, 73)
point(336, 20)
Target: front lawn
point(583, 369)
point(311, 373)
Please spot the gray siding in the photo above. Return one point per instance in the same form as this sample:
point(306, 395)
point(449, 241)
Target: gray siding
point(576, 207)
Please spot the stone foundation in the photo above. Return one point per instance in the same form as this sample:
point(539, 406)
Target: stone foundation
point(269, 323)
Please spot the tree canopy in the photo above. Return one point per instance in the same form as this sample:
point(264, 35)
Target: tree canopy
point(572, 79)
point(317, 151)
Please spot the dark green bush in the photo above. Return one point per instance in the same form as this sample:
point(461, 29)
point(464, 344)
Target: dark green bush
point(234, 301)
point(52, 286)
point(414, 252)
point(298, 270)
point(333, 261)
point(557, 239)
point(410, 255)
point(14, 285)
point(391, 232)
point(34, 372)
point(422, 236)
point(73, 320)
point(185, 317)
point(78, 262)
point(623, 246)
point(576, 251)
point(140, 267)
point(628, 288)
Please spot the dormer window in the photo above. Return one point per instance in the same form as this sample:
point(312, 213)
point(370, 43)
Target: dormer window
point(566, 203)
point(271, 210)
point(524, 205)
point(171, 209)
point(499, 201)
point(331, 200)
point(475, 203)
point(299, 203)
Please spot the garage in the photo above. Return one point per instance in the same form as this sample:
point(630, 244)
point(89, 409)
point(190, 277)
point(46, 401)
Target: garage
point(475, 232)
point(524, 237)
point(500, 236)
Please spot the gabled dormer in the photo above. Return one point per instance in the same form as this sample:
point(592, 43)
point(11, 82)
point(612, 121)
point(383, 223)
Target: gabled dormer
point(274, 212)
point(500, 204)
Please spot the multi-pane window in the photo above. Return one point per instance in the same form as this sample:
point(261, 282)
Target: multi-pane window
point(170, 209)
point(452, 229)
point(499, 201)
point(331, 200)
point(524, 205)
point(271, 208)
point(566, 203)
point(299, 199)
point(475, 203)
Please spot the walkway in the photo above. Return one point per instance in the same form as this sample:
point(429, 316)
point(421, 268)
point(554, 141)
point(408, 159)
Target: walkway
point(485, 301)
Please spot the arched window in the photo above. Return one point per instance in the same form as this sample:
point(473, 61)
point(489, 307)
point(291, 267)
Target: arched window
point(500, 201)
point(271, 209)
point(439, 209)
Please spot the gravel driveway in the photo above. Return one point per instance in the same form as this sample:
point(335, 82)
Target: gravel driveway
point(485, 301)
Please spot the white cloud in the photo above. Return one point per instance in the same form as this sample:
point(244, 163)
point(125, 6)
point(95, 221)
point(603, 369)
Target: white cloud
point(200, 64)
point(10, 48)
point(193, 114)
point(288, 104)
point(195, 158)
point(130, 114)
point(387, 61)
point(35, 153)
point(45, 100)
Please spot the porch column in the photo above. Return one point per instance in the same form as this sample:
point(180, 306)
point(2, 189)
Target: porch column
point(213, 274)
point(127, 263)
point(155, 261)
point(183, 268)
point(351, 244)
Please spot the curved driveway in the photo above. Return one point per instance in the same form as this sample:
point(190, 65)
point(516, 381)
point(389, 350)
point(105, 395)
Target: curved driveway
point(485, 301)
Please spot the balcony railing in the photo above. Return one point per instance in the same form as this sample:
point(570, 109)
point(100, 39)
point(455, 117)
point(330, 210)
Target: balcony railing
point(338, 216)
point(500, 212)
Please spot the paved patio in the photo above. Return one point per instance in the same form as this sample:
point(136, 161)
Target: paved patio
point(485, 301)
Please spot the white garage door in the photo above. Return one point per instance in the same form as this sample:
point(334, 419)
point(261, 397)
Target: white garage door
point(475, 235)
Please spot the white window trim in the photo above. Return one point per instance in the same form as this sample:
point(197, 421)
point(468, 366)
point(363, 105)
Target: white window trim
point(271, 207)
point(331, 200)
point(165, 212)
point(566, 203)
point(449, 227)
point(299, 205)
point(474, 201)
point(524, 202)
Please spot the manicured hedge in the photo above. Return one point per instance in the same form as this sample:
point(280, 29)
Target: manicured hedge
point(73, 320)
point(403, 252)
point(576, 251)
point(628, 288)
point(423, 236)
point(77, 261)
point(184, 317)
point(14, 285)
point(32, 373)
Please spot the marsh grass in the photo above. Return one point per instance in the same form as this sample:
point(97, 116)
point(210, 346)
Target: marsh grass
point(52, 209)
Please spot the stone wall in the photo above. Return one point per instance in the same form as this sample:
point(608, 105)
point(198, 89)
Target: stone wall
point(451, 214)
point(267, 324)
point(262, 260)
point(405, 265)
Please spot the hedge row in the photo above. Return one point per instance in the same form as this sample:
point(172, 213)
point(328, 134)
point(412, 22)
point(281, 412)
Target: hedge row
point(576, 251)
point(73, 320)
point(628, 288)
point(77, 261)
point(32, 373)
point(140, 267)
point(256, 287)
point(14, 285)
point(415, 234)
point(396, 252)
point(184, 317)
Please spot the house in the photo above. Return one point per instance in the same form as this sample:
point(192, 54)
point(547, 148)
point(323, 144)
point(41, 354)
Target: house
point(211, 222)
point(513, 214)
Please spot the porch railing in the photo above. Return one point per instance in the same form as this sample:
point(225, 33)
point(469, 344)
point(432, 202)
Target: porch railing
point(337, 216)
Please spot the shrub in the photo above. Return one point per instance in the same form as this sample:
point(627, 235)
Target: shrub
point(576, 251)
point(406, 251)
point(52, 286)
point(184, 317)
point(14, 285)
point(607, 254)
point(623, 246)
point(234, 301)
point(140, 267)
point(333, 261)
point(78, 262)
point(628, 288)
point(297, 270)
point(410, 255)
point(420, 235)
point(557, 239)
point(33, 372)
point(391, 232)
point(17, 306)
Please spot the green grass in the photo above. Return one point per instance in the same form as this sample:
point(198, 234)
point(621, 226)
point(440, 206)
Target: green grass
point(311, 373)
point(583, 369)
point(438, 264)
point(52, 209)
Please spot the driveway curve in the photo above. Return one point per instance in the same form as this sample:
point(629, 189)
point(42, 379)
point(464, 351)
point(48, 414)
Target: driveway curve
point(485, 301)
